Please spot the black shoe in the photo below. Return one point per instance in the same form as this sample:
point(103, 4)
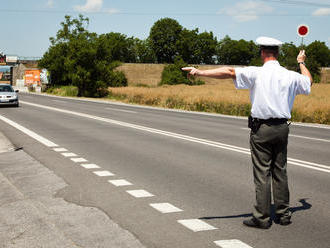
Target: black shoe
point(257, 224)
point(285, 222)
point(282, 221)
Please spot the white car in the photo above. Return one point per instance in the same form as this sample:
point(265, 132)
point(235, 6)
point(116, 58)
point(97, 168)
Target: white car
point(8, 96)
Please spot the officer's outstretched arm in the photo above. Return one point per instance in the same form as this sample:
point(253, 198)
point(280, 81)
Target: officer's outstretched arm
point(220, 73)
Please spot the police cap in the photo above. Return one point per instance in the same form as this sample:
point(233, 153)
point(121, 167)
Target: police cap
point(268, 42)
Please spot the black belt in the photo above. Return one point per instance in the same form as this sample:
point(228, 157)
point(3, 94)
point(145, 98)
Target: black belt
point(255, 123)
point(271, 121)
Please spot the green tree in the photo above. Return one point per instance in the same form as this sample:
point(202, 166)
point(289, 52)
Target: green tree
point(288, 56)
point(319, 52)
point(144, 52)
point(116, 47)
point(233, 52)
point(318, 55)
point(195, 48)
point(207, 44)
point(80, 58)
point(54, 61)
point(164, 35)
point(187, 46)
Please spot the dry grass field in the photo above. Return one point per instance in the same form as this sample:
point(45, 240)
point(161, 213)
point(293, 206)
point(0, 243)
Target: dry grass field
point(222, 97)
point(150, 74)
point(142, 74)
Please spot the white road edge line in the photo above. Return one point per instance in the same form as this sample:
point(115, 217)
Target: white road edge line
point(59, 101)
point(232, 243)
point(301, 163)
point(28, 132)
point(196, 225)
point(122, 110)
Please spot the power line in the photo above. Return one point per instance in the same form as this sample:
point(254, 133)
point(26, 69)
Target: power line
point(141, 13)
point(296, 2)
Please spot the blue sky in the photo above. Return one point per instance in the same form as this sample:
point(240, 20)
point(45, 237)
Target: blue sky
point(27, 25)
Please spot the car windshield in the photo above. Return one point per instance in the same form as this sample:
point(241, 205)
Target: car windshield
point(6, 88)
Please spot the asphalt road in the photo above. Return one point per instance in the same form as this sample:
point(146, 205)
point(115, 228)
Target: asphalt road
point(198, 163)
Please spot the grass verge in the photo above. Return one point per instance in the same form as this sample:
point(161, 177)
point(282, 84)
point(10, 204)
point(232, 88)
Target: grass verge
point(63, 90)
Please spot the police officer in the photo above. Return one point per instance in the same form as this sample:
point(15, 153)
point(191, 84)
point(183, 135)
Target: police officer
point(272, 92)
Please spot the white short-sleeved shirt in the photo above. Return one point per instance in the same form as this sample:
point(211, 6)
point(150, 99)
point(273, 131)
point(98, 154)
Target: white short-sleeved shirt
point(272, 89)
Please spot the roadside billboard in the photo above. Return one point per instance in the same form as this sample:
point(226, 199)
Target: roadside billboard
point(32, 77)
point(11, 59)
point(2, 59)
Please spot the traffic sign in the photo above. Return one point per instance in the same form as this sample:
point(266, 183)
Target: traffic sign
point(303, 30)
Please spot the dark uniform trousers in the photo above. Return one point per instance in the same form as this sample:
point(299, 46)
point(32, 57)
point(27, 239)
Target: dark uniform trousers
point(269, 158)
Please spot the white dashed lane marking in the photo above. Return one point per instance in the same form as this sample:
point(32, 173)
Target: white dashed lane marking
point(120, 182)
point(90, 166)
point(103, 173)
point(69, 154)
point(233, 243)
point(60, 149)
point(139, 193)
point(196, 225)
point(165, 208)
point(79, 160)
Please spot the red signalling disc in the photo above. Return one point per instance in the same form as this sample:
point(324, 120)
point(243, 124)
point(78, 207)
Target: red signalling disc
point(303, 30)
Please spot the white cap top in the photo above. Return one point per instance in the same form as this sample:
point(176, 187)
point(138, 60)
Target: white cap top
point(267, 41)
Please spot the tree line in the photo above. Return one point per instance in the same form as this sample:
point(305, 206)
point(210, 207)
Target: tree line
point(87, 60)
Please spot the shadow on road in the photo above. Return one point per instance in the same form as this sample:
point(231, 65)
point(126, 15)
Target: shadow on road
point(305, 206)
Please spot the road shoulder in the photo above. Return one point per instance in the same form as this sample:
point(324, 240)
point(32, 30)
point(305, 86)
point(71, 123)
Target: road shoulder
point(31, 215)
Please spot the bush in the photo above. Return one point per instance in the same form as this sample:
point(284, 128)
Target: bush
point(63, 90)
point(172, 74)
point(117, 79)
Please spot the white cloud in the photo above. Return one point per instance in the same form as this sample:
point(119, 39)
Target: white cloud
point(246, 11)
point(50, 3)
point(112, 11)
point(94, 6)
point(90, 6)
point(321, 12)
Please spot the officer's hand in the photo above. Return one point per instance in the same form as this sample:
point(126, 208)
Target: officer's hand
point(301, 56)
point(192, 71)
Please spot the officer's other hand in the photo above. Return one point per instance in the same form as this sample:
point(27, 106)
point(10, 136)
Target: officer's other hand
point(301, 56)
